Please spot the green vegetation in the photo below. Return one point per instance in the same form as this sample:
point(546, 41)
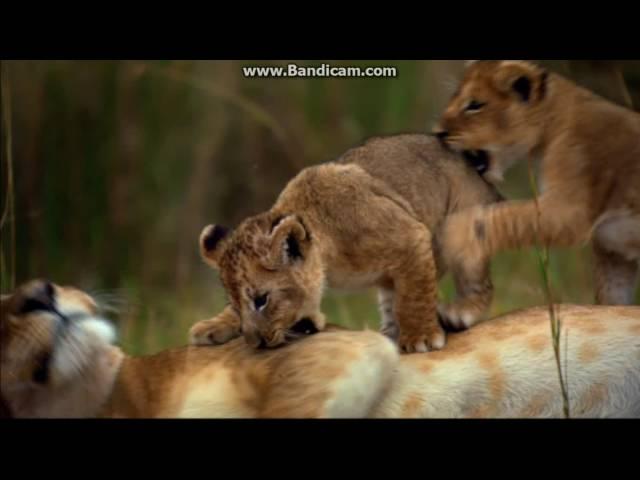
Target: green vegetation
point(117, 166)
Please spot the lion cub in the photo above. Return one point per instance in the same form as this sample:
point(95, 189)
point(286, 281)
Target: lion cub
point(589, 153)
point(364, 220)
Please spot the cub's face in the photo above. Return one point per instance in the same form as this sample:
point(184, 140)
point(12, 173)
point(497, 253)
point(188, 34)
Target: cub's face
point(49, 337)
point(271, 270)
point(491, 118)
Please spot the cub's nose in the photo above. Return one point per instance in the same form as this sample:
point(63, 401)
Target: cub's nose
point(253, 338)
point(259, 343)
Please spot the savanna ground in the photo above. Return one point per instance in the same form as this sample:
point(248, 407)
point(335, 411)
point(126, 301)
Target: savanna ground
point(110, 169)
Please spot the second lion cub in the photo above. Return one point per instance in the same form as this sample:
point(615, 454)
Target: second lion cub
point(364, 220)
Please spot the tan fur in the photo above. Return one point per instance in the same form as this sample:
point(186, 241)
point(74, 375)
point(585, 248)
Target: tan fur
point(42, 356)
point(365, 220)
point(505, 368)
point(589, 153)
point(227, 381)
point(487, 371)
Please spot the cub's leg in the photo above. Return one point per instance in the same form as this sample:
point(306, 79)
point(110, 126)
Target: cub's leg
point(616, 247)
point(218, 330)
point(468, 239)
point(388, 325)
point(414, 279)
point(474, 295)
point(478, 233)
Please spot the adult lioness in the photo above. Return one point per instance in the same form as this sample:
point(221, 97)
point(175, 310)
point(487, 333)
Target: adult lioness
point(364, 220)
point(57, 360)
point(589, 152)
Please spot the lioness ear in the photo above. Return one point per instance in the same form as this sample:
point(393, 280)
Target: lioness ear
point(526, 81)
point(289, 241)
point(211, 244)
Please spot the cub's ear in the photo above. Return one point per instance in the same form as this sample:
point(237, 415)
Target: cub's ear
point(212, 244)
point(524, 80)
point(289, 241)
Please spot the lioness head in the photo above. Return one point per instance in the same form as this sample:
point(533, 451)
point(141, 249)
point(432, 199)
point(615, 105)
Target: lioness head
point(273, 275)
point(50, 341)
point(492, 118)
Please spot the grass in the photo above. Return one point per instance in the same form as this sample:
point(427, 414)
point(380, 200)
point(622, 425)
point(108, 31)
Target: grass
point(7, 273)
point(542, 252)
point(103, 155)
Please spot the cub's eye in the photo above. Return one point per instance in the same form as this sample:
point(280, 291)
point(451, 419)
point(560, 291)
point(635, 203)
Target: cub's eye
point(261, 301)
point(474, 106)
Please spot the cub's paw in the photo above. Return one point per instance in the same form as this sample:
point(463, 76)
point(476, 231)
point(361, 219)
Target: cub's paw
point(426, 340)
point(455, 318)
point(214, 331)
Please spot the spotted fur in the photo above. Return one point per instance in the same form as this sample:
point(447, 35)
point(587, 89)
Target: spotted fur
point(502, 368)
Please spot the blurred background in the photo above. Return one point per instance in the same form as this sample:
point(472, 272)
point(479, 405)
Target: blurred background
point(110, 169)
